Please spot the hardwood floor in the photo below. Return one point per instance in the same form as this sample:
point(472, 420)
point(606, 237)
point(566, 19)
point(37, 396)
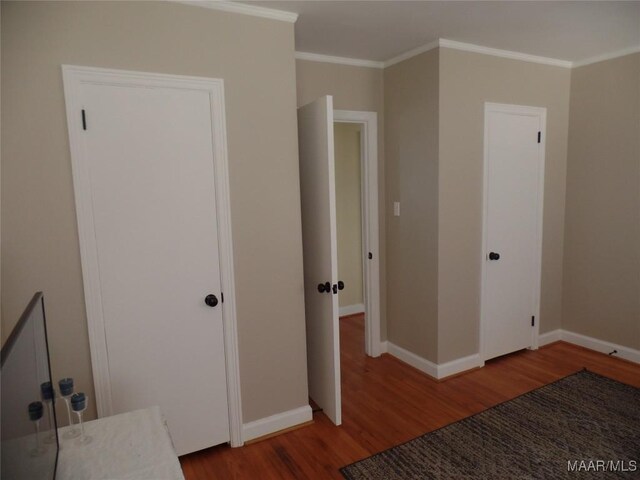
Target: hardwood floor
point(386, 402)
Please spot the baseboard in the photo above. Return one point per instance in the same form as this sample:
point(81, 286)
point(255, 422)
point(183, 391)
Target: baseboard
point(275, 423)
point(459, 365)
point(412, 359)
point(443, 370)
point(351, 309)
point(549, 337)
point(437, 371)
point(601, 346)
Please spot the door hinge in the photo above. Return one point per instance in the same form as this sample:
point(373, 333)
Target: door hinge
point(222, 297)
point(84, 120)
point(539, 137)
point(370, 256)
point(533, 321)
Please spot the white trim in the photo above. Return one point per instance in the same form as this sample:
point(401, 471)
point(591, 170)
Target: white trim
point(549, 337)
point(275, 423)
point(412, 359)
point(602, 346)
point(437, 371)
point(469, 47)
point(591, 343)
point(411, 53)
point(243, 9)
point(370, 222)
point(459, 365)
point(525, 57)
point(351, 309)
point(607, 56)
point(354, 62)
point(541, 113)
point(73, 78)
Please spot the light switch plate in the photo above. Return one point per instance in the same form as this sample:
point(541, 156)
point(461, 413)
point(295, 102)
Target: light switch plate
point(396, 209)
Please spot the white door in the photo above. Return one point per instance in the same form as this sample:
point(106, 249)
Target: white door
point(317, 187)
point(148, 153)
point(514, 175)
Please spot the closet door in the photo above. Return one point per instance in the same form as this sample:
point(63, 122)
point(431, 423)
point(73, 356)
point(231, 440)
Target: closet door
point(147, 151)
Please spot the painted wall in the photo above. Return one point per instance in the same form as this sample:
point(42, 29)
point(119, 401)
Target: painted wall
point(467, 81)
point(411, 138)
point(255, 57)
point(352, 88)
point(349, 211)
point(602, 228)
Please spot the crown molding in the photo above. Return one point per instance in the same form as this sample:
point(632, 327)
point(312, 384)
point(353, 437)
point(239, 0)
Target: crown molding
point(354, 62)
point(469, 47)
point(607, 56)
point(243, 9)
point(411, 53)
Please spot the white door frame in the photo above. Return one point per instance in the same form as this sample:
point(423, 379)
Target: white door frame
point(74, 77)
point(541, 113)
point(370, 231)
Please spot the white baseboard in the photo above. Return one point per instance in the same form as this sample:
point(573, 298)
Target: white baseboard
point(437, 371)
point(412, 359)
point(351, 309)
point(549, 337)
point(459, 365)
point(440, 371)
point(275, 423)
point(601, 346)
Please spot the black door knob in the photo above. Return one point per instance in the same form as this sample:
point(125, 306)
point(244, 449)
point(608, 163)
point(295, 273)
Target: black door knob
point(340, 285)
point(324, 287)
point(494, 256)
point(211, 300)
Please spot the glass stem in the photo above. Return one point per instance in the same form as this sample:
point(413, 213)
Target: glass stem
point(50, 423)
point(66, 401)
point(37, 422)
point(81, 424)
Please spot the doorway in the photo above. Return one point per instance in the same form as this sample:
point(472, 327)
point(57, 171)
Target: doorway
point(358, 176)
point(322, 282)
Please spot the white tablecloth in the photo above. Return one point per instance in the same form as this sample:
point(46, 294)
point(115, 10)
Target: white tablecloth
point(134, 445)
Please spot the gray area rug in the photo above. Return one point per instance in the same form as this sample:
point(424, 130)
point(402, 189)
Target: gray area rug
point(582, 426)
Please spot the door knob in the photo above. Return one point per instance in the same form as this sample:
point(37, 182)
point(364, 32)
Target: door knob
point(211, 300)
point(494, 256)
point(340, 285)
point(324, 287)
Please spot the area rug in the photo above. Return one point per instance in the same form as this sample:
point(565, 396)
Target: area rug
point(581, 426)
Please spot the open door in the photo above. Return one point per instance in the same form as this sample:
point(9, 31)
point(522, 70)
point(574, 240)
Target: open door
point(317, 186)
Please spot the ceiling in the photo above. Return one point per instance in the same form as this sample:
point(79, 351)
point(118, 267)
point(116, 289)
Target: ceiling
point(380, 30)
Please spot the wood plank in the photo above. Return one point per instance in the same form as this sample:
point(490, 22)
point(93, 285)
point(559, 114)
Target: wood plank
point(386, 402)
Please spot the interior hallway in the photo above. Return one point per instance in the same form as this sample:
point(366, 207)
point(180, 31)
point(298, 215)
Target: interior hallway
point(386, 402)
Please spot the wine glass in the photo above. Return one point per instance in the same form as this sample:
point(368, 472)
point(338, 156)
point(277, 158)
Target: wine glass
point(35, 414)
point(47, 392)
point(79, 405)
point(66, 391)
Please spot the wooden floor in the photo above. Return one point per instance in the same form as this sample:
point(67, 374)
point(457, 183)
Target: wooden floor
point(386, 402)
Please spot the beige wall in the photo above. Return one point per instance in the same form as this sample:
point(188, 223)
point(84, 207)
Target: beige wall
point(255, 57)
point(602, 229)
point(349, 211)
point(352, 88)
point(467, 80)
point(411, 140)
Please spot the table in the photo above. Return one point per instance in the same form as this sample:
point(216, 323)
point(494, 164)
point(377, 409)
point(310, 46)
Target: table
point(133, 445)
